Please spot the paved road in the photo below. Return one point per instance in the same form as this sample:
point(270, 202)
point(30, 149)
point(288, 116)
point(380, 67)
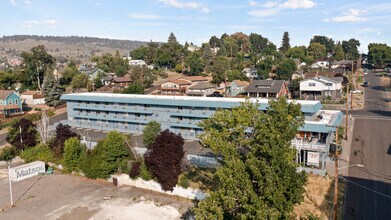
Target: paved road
point(368, 194)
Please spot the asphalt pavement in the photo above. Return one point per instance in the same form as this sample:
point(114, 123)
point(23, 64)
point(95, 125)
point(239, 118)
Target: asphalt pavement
point(368, 192)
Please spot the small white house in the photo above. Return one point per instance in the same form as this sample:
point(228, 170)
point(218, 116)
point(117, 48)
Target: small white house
point(320, 64)
point(137, 63)
point(251, 73)
point(201, 89)
point(320, 87)
point(33, 97)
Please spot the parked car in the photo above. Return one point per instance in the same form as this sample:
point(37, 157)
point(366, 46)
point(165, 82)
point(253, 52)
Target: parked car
point(365, 84)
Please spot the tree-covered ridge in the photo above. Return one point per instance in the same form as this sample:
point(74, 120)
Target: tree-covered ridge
point(113, 43)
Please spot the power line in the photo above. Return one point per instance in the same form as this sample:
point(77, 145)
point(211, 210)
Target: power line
point(372, 190)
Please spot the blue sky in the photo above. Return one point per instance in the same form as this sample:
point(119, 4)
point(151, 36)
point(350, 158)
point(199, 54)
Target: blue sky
point(197, 20)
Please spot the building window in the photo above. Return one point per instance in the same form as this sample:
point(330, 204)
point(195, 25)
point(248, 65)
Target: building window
point(137, 115)
point(180, 107)
point(10, 102)
point(180, 118)
point(329, 84)
point(146, 106)
point(311, 84)
point(16, 102)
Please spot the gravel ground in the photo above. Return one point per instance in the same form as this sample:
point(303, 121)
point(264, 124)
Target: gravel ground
point(63, 197)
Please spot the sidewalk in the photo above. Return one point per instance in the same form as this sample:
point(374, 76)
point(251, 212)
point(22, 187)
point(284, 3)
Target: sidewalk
point(345, 154)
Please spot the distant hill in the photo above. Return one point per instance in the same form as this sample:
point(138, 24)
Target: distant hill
point(81, 48)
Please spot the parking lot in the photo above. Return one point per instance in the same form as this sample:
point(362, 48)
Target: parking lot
point(60, 196)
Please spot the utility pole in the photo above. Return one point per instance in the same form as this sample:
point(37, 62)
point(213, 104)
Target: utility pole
point(336, 182)
point(347, 111)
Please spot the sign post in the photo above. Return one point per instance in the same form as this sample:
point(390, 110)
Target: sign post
point(9, 179)
point(23, 172)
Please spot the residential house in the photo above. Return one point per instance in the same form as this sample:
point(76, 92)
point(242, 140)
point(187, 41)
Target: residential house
point(121, 82)
point(298, 63)
point(329, 73)
point(175, 87)
point(10, 103)
point(251, 73)
point(194, 79)
point(15, 61)
point(267, 89)
point(91, 72)
point(320, 64)
point(319, 87)
point(298, 74)
point(236, 87)
point(192, 47)
point(137, 63)
point(33, 97)
point(341, 64)
point(201, 89)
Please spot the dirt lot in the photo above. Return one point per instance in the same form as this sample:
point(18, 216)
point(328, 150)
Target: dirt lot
point(63, 197)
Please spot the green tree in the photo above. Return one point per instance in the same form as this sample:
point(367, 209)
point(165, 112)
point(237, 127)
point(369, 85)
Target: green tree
point(139, 53)
point(214, 42)
point(236, 75)
point(109, 63)
point(316, 51)
point(69, 72)
point(219, 68)
point(258, 176)
point(207, 57)
point(134, 88)
point(194, 63)
point(52, 90)
point(7, 79)
point(379, 54)
point(285, 69)
point(338, 52)
point(257, 43)
point(150, 132)
point(350, 48)
point(285, 45)
point(79, 81)
point(297, 52)
point(114, 152)
point(325, 41)
point(98, 80)
point(74, 154)
point(37, 62)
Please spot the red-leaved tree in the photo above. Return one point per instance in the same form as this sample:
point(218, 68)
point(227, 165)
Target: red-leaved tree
point(63, 133)
point(164, 158)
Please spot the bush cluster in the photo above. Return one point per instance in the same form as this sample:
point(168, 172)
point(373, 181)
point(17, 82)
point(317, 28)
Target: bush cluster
point(40, 152)
point(8, 153)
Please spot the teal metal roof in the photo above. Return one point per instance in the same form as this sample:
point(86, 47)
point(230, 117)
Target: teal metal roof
point(210, 102)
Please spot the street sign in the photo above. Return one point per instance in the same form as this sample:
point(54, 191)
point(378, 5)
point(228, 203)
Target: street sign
point(26, 171)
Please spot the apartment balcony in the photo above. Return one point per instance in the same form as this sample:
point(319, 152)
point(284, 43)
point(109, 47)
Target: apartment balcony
point(116, 118)
point(113, 108)
point(313, 143)
point(192, 113)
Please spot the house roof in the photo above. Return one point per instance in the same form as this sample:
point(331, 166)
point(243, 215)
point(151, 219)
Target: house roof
point(30, 92)
point(122, 79)
point(325, 79)
point(265, 86)
point(180, 82)
point(194, 78)
point(203, 85)
point(5, 93)
point(326, 73)
point(238, 83)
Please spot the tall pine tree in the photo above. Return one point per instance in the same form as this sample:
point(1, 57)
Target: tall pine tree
point(52, 90)
point(285, 45)
point(338, 52)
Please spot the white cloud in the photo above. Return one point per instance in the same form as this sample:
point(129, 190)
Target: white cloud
point(264, 13)
point(34, 23)
point(270, 4)
point(295, 4)
point(252, 3)
point(13, 2)
point(27, 2)
point(352, 15)
point(185, 5)
point(143, 16)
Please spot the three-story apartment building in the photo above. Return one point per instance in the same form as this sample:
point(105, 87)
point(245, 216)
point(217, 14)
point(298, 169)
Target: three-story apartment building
point(181, 114)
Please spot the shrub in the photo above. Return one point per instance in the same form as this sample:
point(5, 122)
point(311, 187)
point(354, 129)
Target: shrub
point(184, 181)
point(144, 172)
point(164, 158)
point(22, 134)
point(50, 113)
point(74, 154)
point(135, 170)
point(150, 132)
point(63, 133)
point(40, 152)
point(92, 166)
point(8, 153)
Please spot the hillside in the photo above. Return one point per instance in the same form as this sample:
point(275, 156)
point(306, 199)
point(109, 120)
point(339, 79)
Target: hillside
point(81, 48)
